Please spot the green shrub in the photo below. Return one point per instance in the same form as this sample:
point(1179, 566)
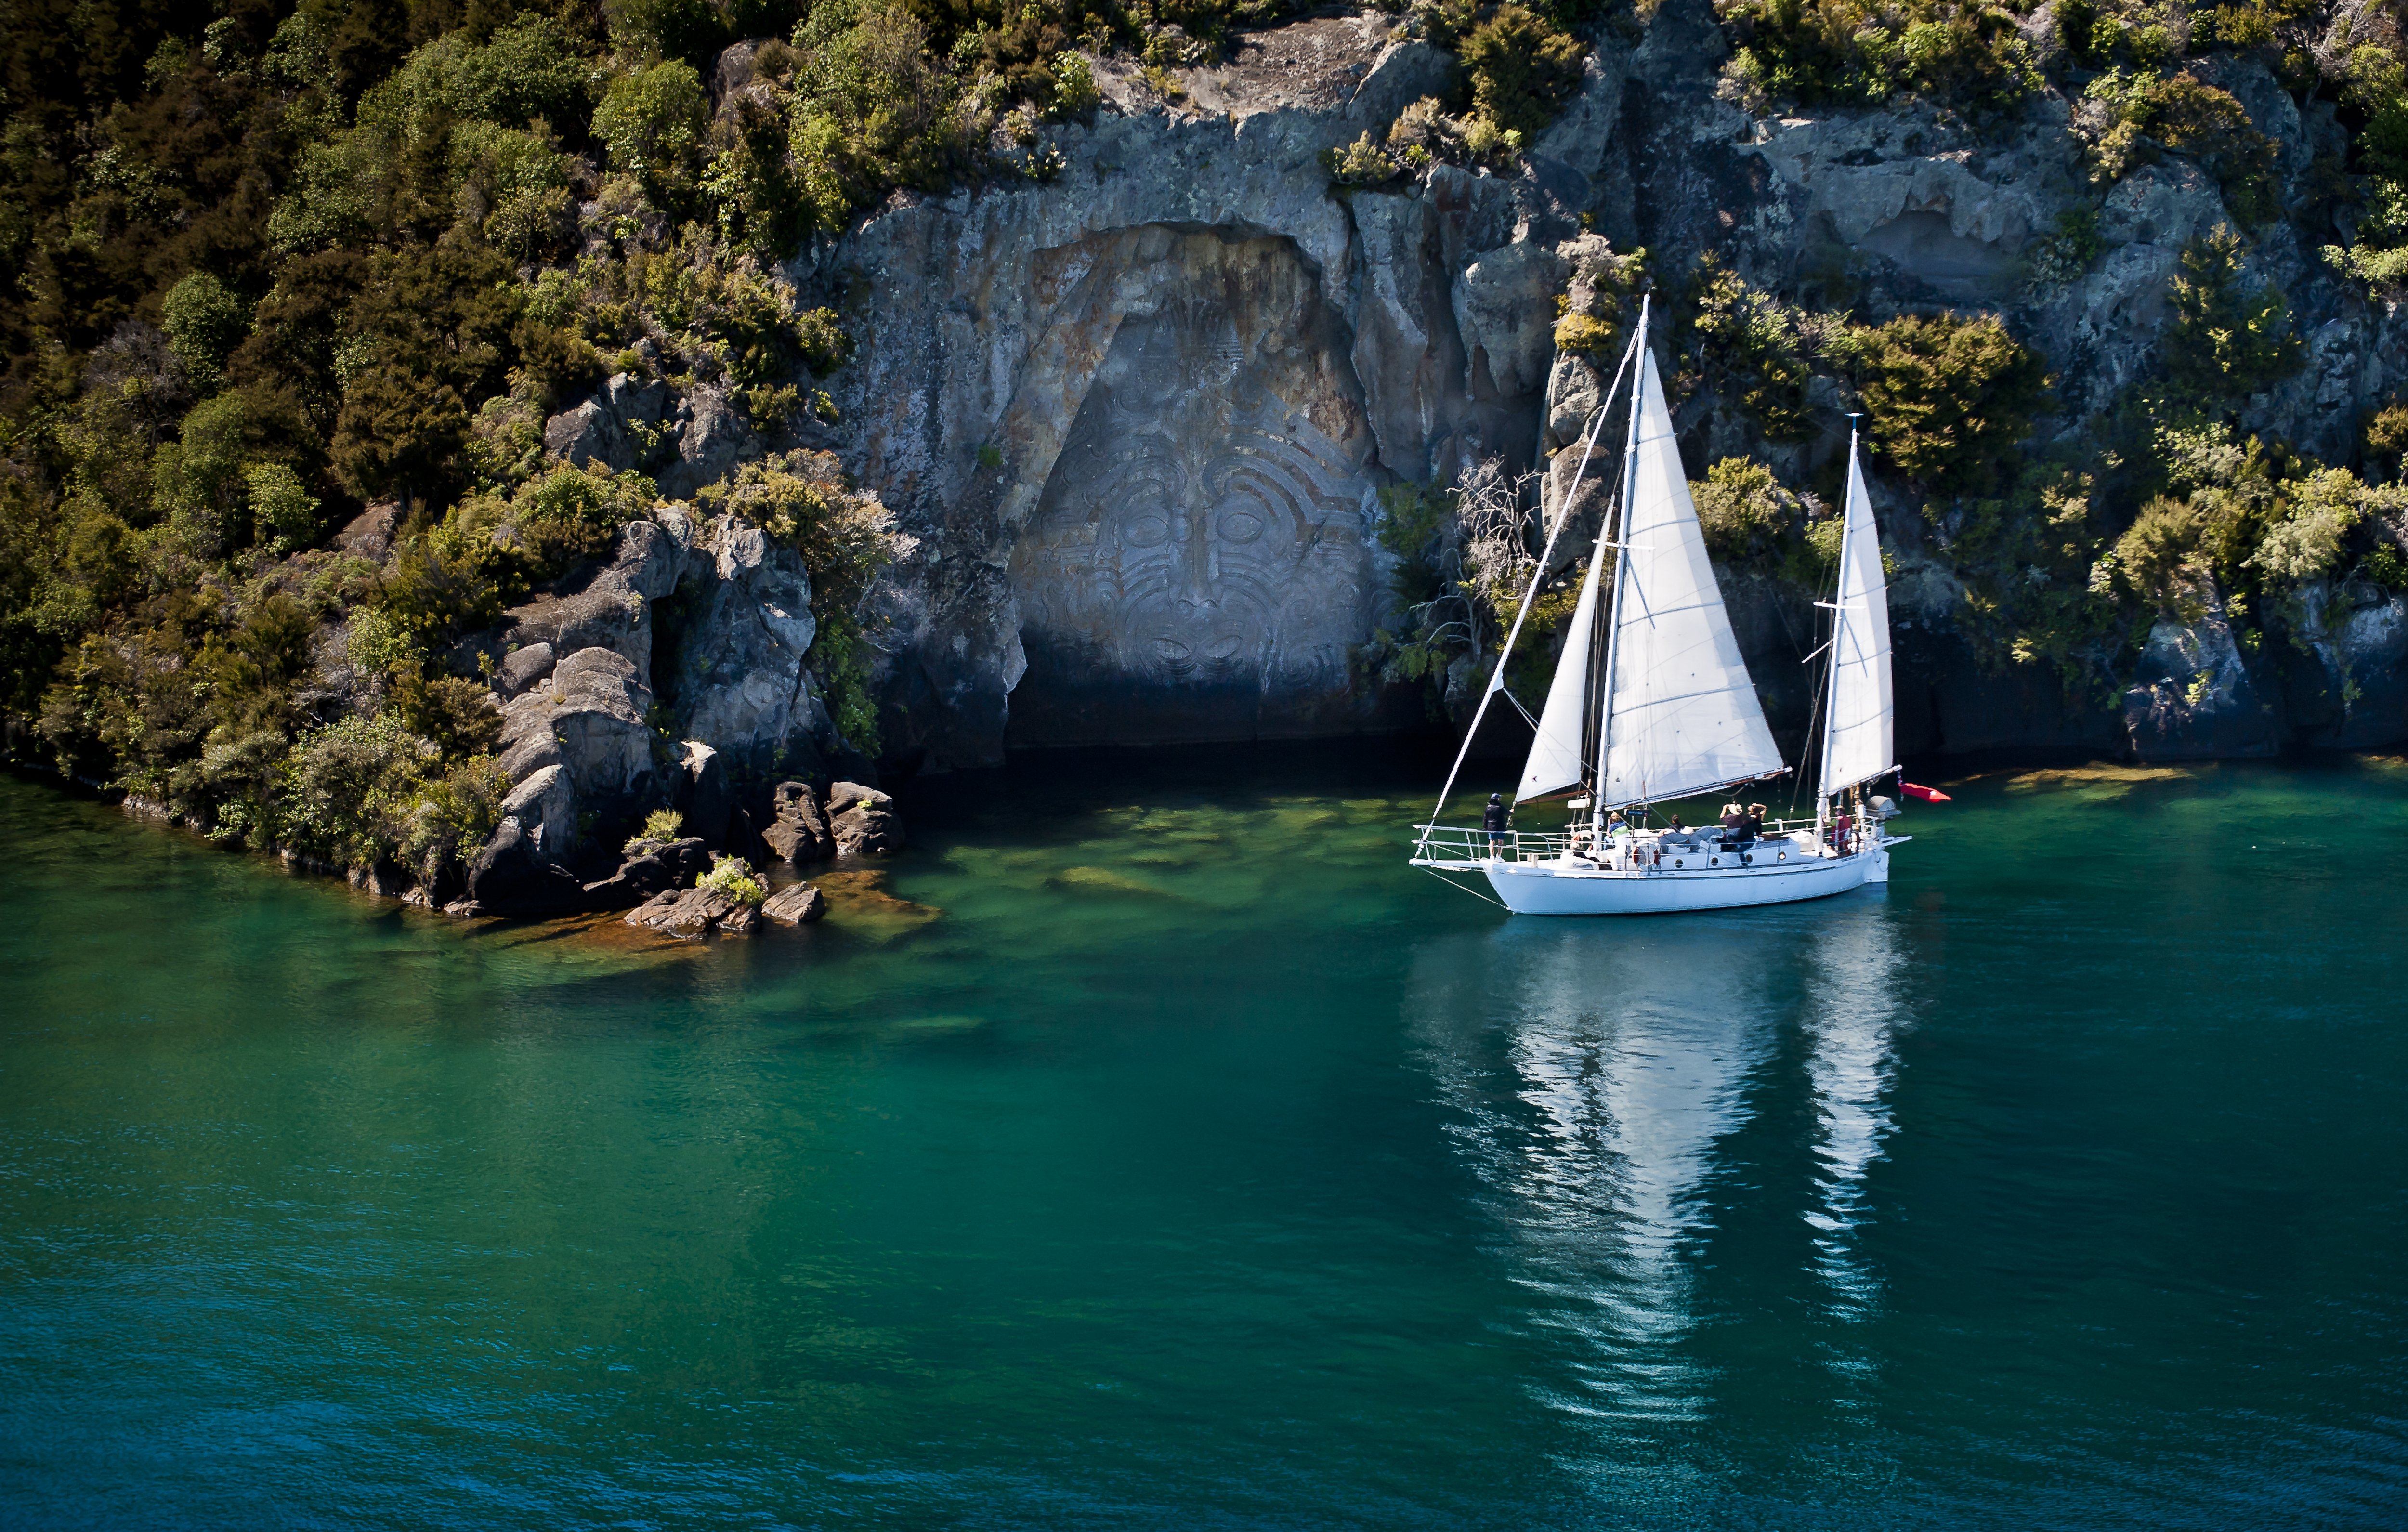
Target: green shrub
point(2128, 119)
point(1744, 342)
point(663, 824)
point(1521, 69)
point(733, 877)
point(872, 109)
point(1948, 399)
point(1745, 515)
point(350, 788)
point(452, 816)
point(1075, 93)
point(1857, 53)
point(651, 122)
point(1362, 163)
point(282, 510)
point(2225, 344)
point(454, 714)
point(205, 322)
point(2386, 438)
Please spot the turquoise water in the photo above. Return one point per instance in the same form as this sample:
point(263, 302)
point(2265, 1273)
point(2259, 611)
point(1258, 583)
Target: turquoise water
point(1200, 1166)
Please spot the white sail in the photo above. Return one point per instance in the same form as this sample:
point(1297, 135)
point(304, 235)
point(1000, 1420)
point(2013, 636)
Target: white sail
point(1556, 759)
point(1683, 714)
point(1858, 742)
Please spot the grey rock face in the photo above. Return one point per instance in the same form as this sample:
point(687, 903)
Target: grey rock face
point(705, 795)
point(2194, 697)
point(588, 433)
point(1137, 418)
point(1194, 566)
point(711, 439)
point(545, 806)
point(521, 668)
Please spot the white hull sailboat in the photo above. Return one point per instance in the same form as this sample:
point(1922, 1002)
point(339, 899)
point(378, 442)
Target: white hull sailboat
point(1650, 703)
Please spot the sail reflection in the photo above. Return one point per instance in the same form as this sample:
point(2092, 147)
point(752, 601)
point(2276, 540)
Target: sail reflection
point(1595, 1073)
point(1855, 1009)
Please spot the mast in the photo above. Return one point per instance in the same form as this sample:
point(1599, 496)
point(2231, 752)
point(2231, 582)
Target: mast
point(1839, 632)
point(1621, 571)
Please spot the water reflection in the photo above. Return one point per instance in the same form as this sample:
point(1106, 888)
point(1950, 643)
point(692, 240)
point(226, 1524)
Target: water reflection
point(1596, 1070)
point(1600, 1077)
point(1855, 1008)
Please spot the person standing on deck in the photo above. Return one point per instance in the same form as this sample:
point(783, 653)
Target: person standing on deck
point(1494, 820)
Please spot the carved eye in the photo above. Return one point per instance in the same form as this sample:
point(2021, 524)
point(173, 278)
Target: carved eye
point(1170, 650)
point(1145, 531)
point(1222, 648)
point(1240, 526)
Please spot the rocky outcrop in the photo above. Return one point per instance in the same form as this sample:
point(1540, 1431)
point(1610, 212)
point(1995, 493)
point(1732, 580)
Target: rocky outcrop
point(797, 832)
point(796, 904)
point(696, 914)
point(698, 630)
point(863, 821)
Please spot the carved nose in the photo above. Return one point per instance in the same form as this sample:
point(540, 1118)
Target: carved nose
point(1196, 559)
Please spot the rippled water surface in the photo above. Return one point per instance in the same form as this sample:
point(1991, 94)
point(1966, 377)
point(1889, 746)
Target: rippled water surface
point(1201, 1166)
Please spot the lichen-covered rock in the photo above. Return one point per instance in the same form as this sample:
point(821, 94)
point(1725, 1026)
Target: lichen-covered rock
point(796, 904)
point(588, 433)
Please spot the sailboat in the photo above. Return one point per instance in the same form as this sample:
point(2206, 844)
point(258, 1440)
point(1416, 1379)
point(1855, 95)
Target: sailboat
point(1650, 703)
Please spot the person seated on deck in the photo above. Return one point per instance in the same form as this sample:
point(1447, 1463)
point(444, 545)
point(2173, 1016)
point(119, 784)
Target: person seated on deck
point(1735, 824)
point(1620, 837)
point(1755, 822)
point(1840, 828)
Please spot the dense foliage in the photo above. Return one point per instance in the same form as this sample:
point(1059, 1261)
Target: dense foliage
point(264, 269)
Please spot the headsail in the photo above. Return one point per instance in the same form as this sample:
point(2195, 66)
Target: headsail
point(1683, 715)
point(1858, 743)
point(1559, 756)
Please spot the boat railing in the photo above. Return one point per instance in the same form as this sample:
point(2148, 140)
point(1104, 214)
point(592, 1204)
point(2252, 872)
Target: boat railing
point(1460, 845)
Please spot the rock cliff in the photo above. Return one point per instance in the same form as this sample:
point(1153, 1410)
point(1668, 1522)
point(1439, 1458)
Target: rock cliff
point(1137, 416)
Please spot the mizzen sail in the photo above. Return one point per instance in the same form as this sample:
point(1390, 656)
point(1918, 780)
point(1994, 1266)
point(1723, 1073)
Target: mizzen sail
point(1683, 715)
point(1858, 743)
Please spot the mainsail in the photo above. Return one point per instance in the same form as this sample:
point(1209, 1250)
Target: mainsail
point(1559, 756)
point(1857, 743)
point(1682, 715)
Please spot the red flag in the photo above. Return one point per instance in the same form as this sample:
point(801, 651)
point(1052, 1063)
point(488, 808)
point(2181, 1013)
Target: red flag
point(1928, 794)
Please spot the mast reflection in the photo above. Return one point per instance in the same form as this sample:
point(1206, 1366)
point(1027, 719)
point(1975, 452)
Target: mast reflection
point(1855, 1009)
